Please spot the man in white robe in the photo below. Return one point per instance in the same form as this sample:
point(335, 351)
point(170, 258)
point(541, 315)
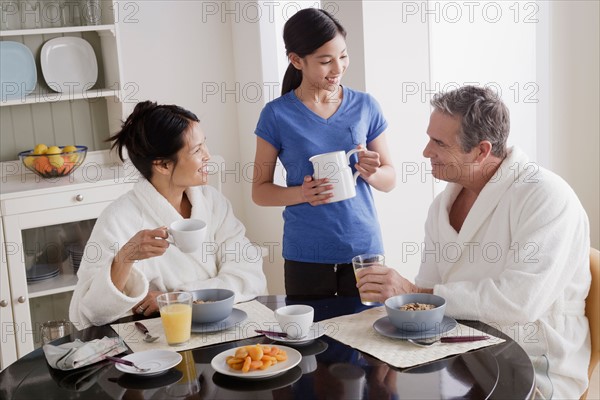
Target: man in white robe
point(506, 243)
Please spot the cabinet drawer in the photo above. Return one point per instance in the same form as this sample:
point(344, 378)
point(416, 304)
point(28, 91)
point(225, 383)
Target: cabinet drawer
point(70, 198)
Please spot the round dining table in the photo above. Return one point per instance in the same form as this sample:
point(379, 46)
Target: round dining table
point(328, 370)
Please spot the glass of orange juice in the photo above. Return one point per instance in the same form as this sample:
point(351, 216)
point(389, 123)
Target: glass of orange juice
point(176, 315)
point(365, 261)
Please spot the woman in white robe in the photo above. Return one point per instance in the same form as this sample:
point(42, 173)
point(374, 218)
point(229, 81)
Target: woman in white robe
point(128, 260)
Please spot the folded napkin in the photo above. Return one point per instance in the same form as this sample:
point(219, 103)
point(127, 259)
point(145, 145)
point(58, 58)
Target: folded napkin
point(77, 354)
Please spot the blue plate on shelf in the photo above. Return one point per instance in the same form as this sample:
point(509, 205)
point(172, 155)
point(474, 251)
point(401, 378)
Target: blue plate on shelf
point(18, 74)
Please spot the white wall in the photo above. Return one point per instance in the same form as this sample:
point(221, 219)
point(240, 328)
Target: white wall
point(491, 44)
point(574, 100)
point(397, 57)
point(255, 45)
point(179, 52)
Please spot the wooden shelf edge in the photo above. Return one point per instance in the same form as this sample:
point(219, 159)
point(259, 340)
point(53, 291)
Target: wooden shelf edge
point(65, 29)
point(37, 98)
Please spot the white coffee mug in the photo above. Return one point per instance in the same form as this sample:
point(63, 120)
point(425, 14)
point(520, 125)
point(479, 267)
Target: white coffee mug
point(295, 320)
point(336, 167)
point(187, 234)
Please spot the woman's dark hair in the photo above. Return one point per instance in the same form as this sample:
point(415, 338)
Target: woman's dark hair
point(303, 34)
point(153, 132)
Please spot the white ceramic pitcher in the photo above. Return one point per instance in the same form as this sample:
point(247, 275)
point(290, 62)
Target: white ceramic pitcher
point(336, 167)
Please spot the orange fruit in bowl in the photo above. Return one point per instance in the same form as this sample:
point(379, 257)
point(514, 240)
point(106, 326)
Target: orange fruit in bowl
point(42, 165)
point(66, 168)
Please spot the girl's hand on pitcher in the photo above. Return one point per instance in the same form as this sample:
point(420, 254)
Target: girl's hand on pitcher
point(312, 191)
point(368, 162)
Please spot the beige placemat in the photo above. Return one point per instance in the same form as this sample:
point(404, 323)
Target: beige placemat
point(259, 317)
point(357, 331)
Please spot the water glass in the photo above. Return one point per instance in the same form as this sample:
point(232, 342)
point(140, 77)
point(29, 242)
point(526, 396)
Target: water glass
point(91, 12)
point(176, 316)
point(52, 330)
point(365, 261)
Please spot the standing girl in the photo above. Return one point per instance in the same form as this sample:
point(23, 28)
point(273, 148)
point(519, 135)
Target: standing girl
point(316, 114)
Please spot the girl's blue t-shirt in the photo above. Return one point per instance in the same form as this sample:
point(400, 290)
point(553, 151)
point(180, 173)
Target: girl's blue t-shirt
point(331, 233)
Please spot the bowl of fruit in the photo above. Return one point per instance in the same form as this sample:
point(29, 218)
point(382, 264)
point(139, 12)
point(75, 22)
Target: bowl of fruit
point(53, 161)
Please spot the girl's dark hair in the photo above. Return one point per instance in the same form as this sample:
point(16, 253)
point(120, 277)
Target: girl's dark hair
point(153, 132)
point(303, 34)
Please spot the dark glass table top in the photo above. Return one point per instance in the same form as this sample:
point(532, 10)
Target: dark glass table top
point(328, 370)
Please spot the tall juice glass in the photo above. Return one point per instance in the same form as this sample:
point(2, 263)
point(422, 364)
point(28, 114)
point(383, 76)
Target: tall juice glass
point(176, 315)
point(365, 261)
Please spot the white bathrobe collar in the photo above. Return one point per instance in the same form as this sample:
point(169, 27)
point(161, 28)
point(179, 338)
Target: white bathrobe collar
point(487, 200)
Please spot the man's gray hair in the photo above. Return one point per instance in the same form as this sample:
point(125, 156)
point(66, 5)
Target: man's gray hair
point(483, 117)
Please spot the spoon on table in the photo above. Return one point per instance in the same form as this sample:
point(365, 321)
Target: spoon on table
point(148, 338)
point(127, 362)
point(280, 335)
point(446, 339)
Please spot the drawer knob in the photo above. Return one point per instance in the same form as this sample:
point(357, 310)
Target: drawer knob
point(21, 299)
point(79, 197)
point(3, 303)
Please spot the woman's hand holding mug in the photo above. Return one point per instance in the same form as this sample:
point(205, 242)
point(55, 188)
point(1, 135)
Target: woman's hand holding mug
point(145, 244)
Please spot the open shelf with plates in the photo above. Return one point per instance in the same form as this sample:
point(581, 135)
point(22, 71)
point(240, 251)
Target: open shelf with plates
point(81, 112)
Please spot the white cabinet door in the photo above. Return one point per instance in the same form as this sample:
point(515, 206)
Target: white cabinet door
point(26, 329)
point(8, 350)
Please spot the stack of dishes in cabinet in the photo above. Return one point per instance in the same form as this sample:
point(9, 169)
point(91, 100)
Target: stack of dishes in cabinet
point(41, 272)
point(75, 251)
